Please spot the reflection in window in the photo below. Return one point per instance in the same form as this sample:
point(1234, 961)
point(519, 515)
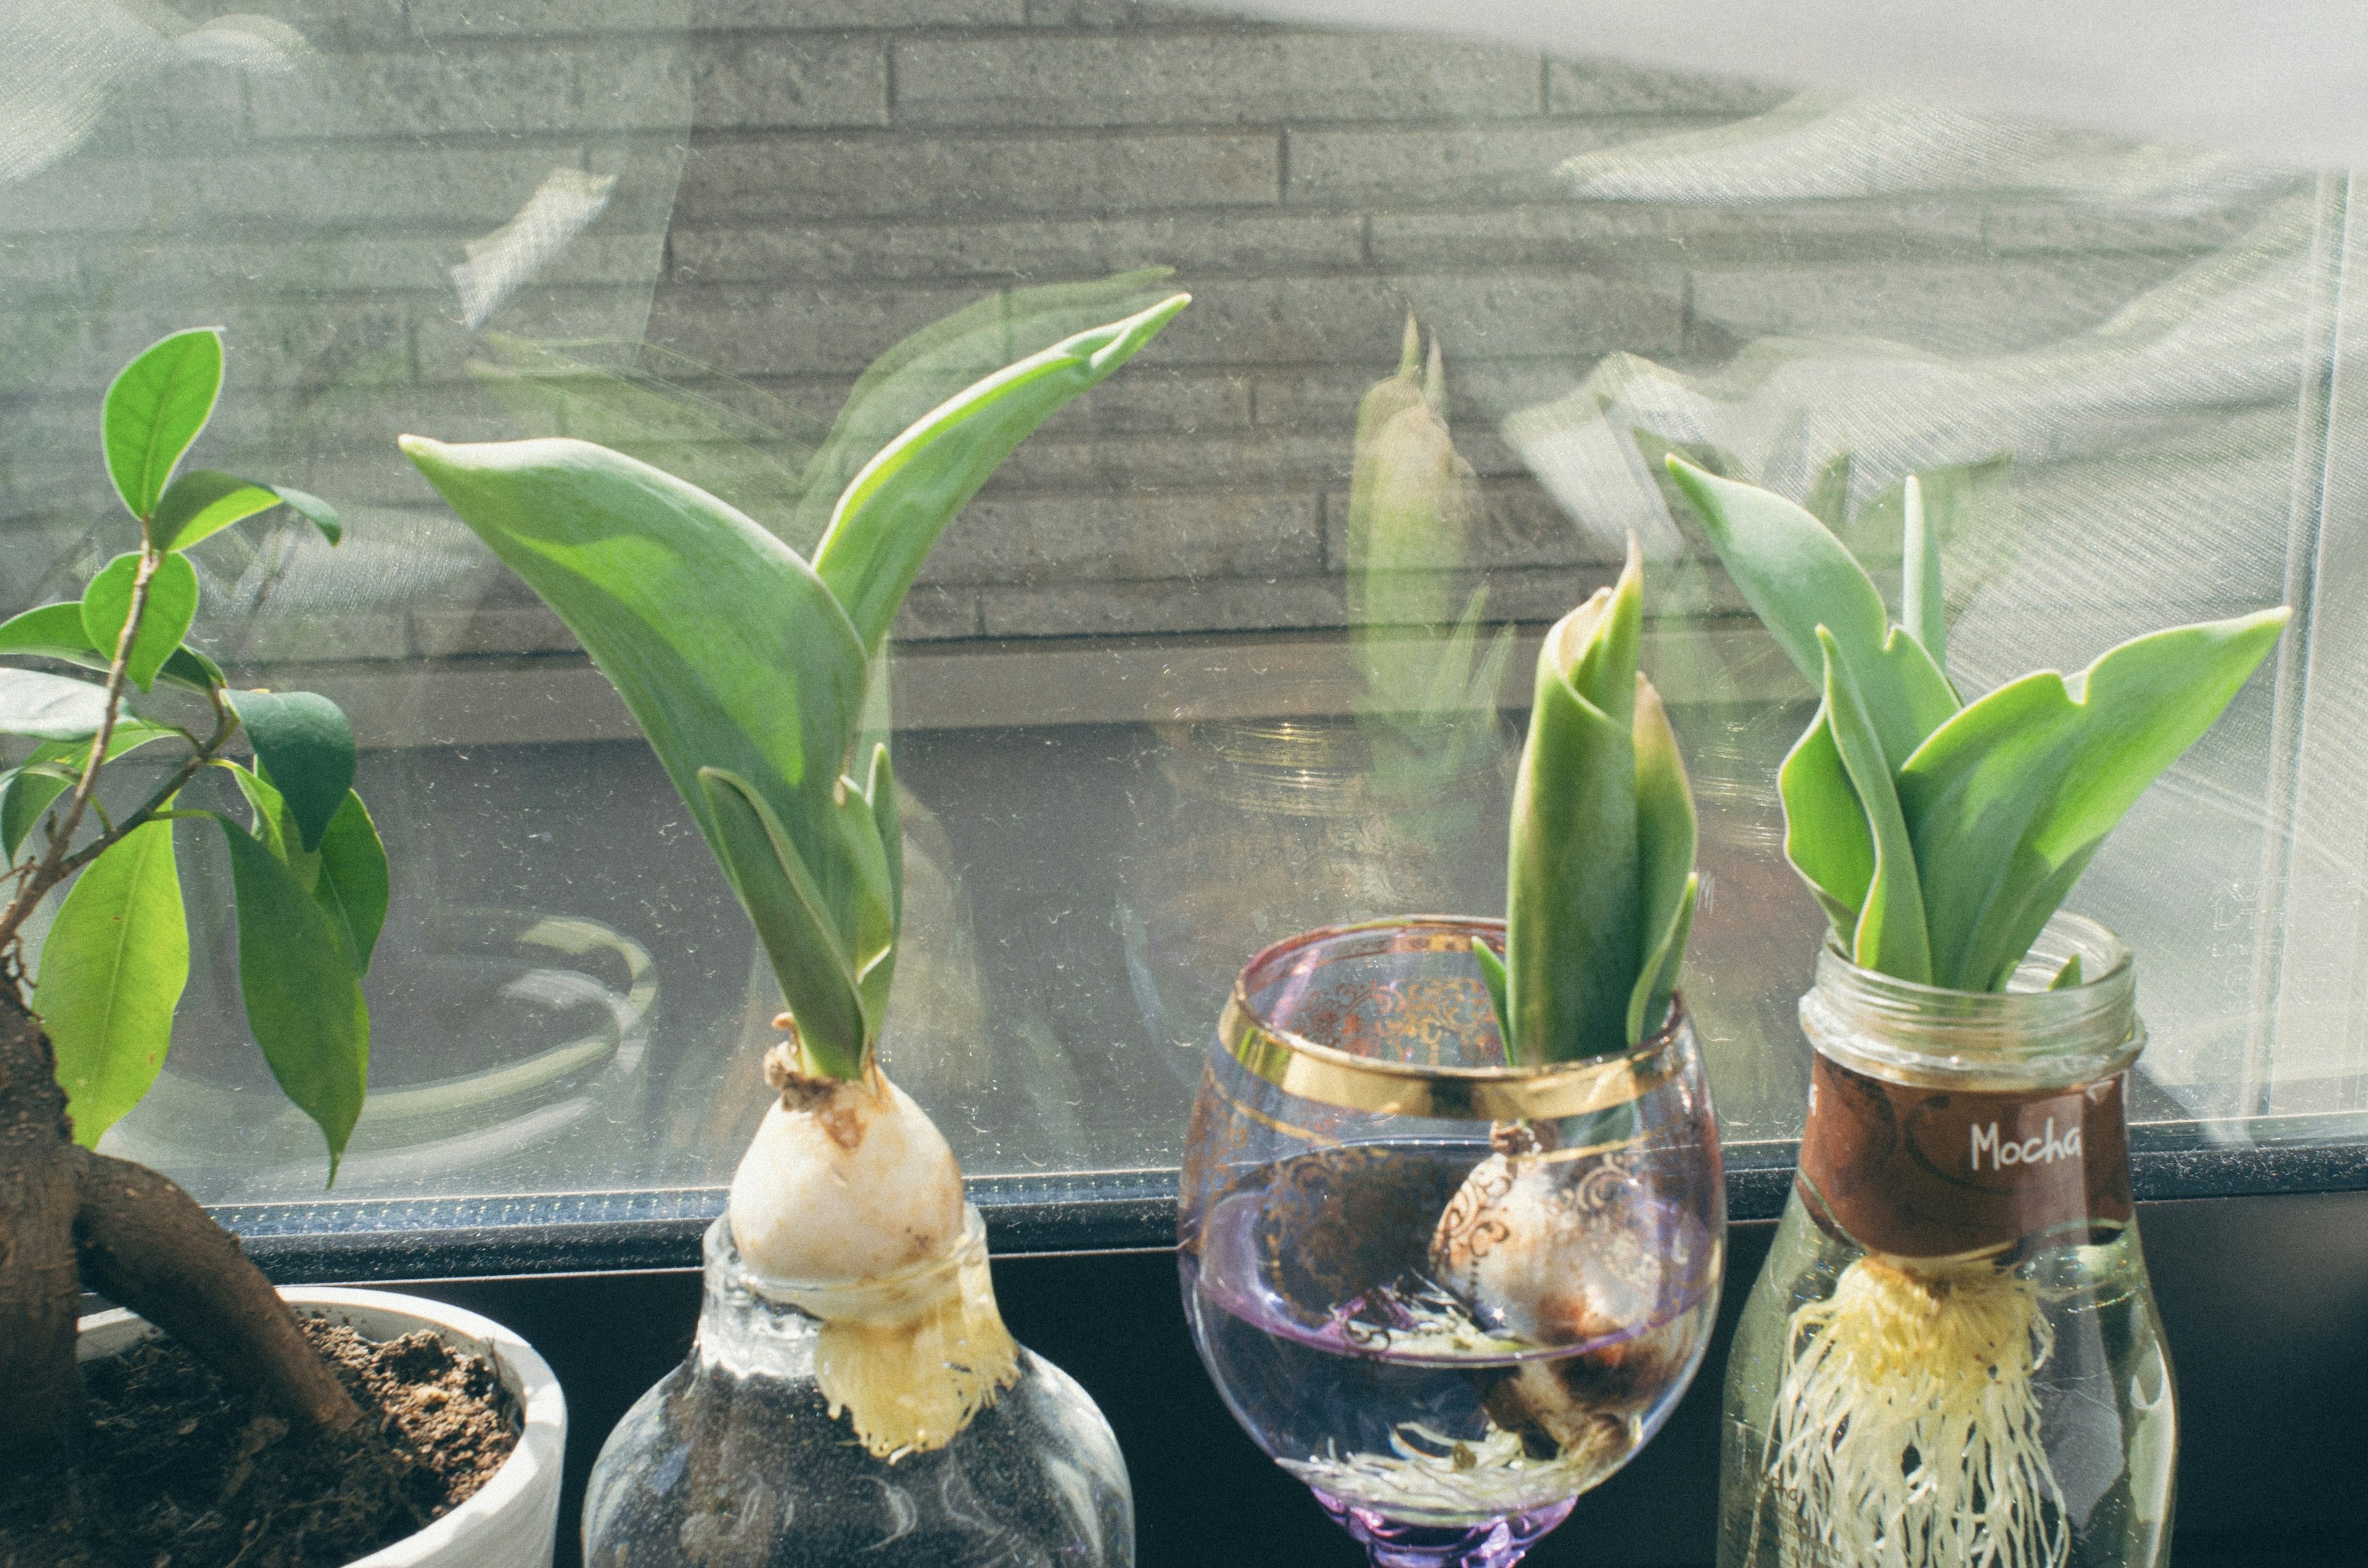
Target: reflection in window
point(1238, 645)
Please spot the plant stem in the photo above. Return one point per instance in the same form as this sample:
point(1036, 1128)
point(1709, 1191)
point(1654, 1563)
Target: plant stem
point(56, 863)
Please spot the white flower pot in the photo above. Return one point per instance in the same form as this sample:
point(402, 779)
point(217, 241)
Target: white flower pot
point(513, 1519)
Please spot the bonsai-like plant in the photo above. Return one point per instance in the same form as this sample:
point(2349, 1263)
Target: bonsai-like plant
point(86, 1022)
point(747, 667)
point(1939, 836)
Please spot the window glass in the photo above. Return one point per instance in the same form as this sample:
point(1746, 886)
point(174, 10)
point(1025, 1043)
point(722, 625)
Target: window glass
point(1163, 695)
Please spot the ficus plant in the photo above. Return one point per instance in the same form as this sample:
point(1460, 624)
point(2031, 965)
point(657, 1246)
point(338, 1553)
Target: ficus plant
point(1939, 835)
point(86, 1014)
point(746, 665)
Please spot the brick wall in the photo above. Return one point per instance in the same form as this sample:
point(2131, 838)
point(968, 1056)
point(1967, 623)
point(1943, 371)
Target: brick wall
point(798, 185)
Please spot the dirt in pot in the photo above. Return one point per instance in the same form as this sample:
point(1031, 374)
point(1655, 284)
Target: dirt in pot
point(175, 1473)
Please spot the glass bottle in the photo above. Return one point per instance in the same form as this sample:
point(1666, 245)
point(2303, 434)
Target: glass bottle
point(737, 1459)
point(1953, 1355)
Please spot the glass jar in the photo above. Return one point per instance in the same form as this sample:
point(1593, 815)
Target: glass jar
point(1446, 1293)
point(736, 1459)
point(1953, 1355)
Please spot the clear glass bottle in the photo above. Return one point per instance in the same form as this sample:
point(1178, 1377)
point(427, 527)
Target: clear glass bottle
point(1953, 1355)
point(736, 1458)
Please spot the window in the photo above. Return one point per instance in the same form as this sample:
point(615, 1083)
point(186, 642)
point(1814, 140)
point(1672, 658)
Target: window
point(1157, 702)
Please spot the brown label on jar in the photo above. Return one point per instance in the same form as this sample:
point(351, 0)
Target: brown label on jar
point(1921, 1172)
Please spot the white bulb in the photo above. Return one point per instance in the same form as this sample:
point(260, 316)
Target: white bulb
point(855, 1183)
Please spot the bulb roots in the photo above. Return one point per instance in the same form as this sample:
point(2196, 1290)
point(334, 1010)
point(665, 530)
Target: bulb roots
point(1905, 1434)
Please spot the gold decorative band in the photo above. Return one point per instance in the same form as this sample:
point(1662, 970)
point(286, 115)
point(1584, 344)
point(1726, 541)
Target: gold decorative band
point(1299, 1066)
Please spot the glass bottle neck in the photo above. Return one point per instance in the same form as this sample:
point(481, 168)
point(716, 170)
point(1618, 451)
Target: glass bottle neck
point(752, 1324)
point(2034, 1036)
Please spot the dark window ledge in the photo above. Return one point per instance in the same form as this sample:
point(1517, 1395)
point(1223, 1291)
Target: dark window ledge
point(604, 1233)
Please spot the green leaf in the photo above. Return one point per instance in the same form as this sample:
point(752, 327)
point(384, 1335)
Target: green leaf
point(1665, 835)
point(272, 826)
point(725, 646)
point(155, 409)
point(1572, 912)
point(1922, 607)
point(881, 793)
point(171, 609)
point(817, 980)
point(1492, 974)
point(203, 503)
point(113, 967)
point(56, 631)
point(302, 742)
point(49, 707)
point(1797, 576)
point(303, 1000)
point(50, 631)
point(894, 510)
point(900, 388)
point(1891, 937)
point(312, 509)
point(352, 884)
point(2009, 799)
point(1827, 837)
point(2069, 977)
point(1595, 645)
point(26, 793)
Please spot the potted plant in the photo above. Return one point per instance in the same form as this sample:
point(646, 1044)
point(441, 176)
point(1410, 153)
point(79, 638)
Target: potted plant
point(1953, 1354)
point(1452, 1214)
point(86, 1017)
point(853, 1389)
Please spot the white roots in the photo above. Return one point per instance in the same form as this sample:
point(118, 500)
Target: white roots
point(849, 1206)
point(913, 1356)
point(1907, 1433)
point(1428, 1476)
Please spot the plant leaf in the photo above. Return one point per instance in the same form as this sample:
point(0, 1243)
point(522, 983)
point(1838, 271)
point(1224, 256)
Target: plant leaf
point(171, 609)
point(1666, 833)
point(203, 503)
point(353, 884)
point(1492, 976)
point(50, 771)
point(881, 793)
point(2069, 977)
point(1595, 645)
point(1890, 937)
point(51, 708)
point(272, 827)
point(312, 509)
point(2011, 798)
point(1662, 964)
point(1572, 941)
point(304, 1001)
point(933, 364)
point(1922, 607)
point(155, 409)
point(817, 980)
point(1827, 835)
point(113, 967)
point(764, 680)
point(1797, 576)
point(55, 632)
point(894, 510)
point(304, 746)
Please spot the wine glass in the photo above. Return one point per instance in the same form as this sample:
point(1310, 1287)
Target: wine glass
point(1447, 1294)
